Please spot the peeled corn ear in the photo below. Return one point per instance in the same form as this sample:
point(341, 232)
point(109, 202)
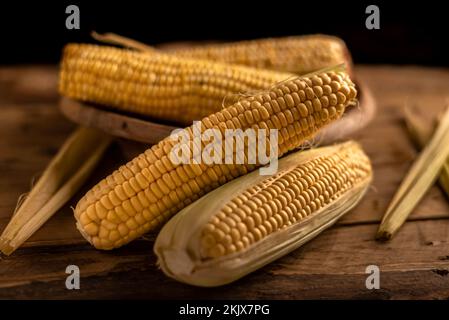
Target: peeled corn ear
point(141, 195)
point(254, 220)
point(157, 85)
point(296, 54)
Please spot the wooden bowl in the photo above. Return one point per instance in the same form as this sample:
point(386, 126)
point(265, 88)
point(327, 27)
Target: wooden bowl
point(138, 128)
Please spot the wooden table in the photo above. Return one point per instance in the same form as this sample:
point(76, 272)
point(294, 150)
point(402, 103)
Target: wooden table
point(415, 264)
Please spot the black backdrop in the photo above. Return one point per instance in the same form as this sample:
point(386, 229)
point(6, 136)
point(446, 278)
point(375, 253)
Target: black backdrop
point(410, 32)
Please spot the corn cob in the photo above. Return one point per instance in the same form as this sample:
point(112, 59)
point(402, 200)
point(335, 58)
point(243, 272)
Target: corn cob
point(141, 195)
point(254, 220)
point(157, 85)
point(295, 54)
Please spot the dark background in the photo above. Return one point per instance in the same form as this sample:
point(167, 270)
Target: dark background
point(410, 32)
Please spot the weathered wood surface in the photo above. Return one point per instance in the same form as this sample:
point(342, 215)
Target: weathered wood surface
point(415, 264)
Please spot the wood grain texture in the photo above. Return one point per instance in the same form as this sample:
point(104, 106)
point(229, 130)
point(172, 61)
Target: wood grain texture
point(414, 265)
point(331, 266)
point(116, 124)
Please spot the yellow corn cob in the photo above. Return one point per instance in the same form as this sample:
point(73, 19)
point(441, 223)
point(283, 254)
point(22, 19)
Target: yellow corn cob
point(157, 85)
point(141, 195)
point(254, 220)
point(296, 54)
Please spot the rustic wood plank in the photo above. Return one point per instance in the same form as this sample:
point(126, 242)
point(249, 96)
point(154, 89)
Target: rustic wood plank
point(28, 84)
point(415, 264)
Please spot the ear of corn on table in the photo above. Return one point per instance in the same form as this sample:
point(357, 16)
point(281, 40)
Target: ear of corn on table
point(254, 220)
point(164, 87)
point(145, 192)
point(295, 54)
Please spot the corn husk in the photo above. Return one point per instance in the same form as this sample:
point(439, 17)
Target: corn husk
point(419, 179)
point(421, 132)
point(63, 177)
point(178, 244)
point(118, 40)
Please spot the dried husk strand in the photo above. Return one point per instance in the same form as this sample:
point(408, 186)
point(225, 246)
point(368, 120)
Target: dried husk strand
point(420, 177)
point(63, 177)
point(118, 40)
point(421, 132)
point(341, 173)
